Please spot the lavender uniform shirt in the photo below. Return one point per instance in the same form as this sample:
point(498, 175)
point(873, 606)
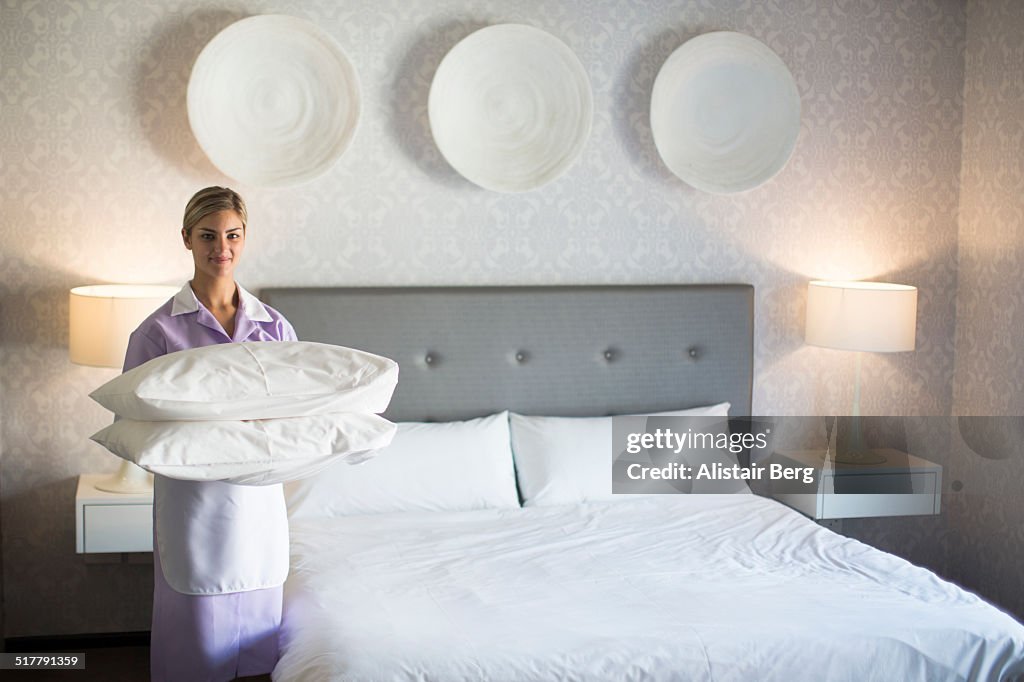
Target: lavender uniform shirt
point(214, 537)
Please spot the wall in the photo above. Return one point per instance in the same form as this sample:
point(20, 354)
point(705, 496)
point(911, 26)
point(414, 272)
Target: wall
point(98, 161)
point(989, 518)
point(990, 298)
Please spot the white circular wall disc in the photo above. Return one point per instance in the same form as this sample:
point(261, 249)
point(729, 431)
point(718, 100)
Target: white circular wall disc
point(510, 107)
point(725, 112)
point(273, 100)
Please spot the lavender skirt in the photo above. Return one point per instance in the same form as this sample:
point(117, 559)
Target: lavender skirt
point(211, 638)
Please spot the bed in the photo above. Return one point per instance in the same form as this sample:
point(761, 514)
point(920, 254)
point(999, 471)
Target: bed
point(490, 581)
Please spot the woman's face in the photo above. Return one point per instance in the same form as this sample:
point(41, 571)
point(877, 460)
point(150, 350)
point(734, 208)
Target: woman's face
point(216, 243)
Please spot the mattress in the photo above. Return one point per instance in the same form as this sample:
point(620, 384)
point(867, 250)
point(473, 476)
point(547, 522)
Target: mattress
point(681, 587)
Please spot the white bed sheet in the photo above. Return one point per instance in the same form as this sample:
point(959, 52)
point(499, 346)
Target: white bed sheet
point(682, 587)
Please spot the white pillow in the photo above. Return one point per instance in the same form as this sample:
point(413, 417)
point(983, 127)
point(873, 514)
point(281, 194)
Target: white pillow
point(447, 466)
point(264, 380)
point(567, 460)
point(258, 452)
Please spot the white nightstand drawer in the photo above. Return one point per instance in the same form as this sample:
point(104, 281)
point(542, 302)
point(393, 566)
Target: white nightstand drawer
point(922, 501)
point(901, 485)
point(111, 522)
point(118, 528)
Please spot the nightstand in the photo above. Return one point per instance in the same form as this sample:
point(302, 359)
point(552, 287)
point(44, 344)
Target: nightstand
point(903, 485)
point(111, 522)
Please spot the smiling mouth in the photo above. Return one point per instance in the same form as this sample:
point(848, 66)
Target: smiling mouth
point(221, 260)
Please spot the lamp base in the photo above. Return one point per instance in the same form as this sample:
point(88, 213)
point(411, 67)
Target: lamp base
point(129, 479)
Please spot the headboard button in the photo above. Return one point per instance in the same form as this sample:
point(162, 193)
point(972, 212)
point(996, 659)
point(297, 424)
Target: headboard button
point(610, 355)
point(521, 356)
point(430, 359)
point(693, 352)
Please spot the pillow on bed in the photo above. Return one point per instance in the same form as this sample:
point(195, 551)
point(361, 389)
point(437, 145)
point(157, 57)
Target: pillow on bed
point(265, 380)
point(258, 452)
point(449, 466)
point(567, 460)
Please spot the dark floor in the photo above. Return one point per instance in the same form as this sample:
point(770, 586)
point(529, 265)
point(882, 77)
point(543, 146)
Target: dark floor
point(104, 664)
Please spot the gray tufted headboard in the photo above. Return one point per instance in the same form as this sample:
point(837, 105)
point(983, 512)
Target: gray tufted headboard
point(572, 351)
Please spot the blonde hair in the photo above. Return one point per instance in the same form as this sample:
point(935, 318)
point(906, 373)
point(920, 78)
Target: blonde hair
point(211, 200)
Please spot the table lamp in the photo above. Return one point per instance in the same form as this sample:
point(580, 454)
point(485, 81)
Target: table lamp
point(874, 317)
point(101, 320)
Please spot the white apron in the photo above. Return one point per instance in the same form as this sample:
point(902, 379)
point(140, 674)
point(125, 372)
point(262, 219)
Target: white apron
point(216, 538)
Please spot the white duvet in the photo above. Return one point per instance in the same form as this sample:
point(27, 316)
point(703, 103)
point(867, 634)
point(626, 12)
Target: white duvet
point(683, 587)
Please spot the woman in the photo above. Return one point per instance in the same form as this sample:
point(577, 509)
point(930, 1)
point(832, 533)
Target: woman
point(220, 551)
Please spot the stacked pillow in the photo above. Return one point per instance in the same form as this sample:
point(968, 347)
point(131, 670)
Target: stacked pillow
point(250, 413)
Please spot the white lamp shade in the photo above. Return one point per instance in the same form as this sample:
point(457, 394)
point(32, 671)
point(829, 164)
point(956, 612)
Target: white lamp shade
point(105, 315)
point(864, 316)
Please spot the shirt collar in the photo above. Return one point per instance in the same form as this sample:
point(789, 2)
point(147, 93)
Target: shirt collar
point(254, 308)
point(185, 301)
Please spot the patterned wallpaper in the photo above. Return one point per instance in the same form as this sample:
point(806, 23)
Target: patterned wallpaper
point(989, 364)
point(990, 303)
point(96, 162)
